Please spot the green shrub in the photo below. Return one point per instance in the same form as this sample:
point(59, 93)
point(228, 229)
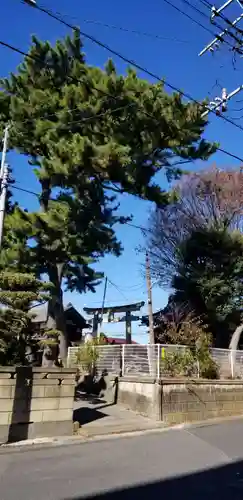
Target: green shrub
point(191, 362)
point(208, 368)
point(88, 355)
point(179, 363)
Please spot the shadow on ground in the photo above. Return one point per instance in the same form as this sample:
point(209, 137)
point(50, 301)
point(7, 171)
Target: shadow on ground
point(92, 392)
point(85, 415)
point(20, 424)
point(221, 483)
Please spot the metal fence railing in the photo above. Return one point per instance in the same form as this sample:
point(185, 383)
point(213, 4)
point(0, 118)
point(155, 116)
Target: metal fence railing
point(109, 358)
point(154, 360)
point(237, 363)
point(139, 359)
point(224, 360)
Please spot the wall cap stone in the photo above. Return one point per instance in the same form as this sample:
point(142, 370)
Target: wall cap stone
point(179, 381)
point(198, 381)
point(53, 370)
point(138, 378)
point(37, 369)
point(4, 369)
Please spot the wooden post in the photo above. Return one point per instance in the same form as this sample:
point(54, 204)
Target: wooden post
point(150, 306)
point(95, 324)
point(128, 328)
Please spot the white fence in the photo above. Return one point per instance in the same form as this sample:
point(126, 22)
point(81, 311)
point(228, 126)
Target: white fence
point(149, 360)
point(110, 358)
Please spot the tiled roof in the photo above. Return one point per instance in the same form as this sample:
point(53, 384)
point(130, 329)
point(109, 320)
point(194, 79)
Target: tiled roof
point(118, 340)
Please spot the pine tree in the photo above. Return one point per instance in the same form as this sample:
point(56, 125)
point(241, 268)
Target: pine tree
point(18, 292)
point(87, 131)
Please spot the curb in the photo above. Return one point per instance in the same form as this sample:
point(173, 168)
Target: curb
point(84, 437)
point(47, 443)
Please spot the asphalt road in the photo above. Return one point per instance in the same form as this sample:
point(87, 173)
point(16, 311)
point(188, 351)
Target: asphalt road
point(197, 463)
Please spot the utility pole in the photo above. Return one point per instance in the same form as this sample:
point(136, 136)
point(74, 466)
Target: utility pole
point(4, 185)
point(150, 306)
point(4, 151)
point(230, 30)
point(3, 181)
point(31, 2)
point(219, 104)
point(103, 303)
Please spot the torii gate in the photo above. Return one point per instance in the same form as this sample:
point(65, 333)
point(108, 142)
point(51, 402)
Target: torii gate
point(97, 314)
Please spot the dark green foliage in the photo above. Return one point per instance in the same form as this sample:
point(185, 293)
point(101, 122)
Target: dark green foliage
point(209, 280)
point(208, 368)
point(87, 131)
point(18, 292)
point(196, 249)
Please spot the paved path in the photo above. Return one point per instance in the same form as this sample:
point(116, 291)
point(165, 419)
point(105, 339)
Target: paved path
point(98, 418)
point(200, 463)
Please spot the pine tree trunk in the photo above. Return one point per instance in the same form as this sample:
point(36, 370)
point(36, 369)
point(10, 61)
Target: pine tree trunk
point(56, 316)
point(50, 352)
point(56, 321)
point(61, 326)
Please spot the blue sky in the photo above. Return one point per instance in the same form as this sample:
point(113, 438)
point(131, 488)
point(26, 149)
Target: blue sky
point(175, 58)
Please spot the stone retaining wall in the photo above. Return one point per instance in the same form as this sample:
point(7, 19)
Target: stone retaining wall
point(200, 400)
point(178, 401)
point(35, 402)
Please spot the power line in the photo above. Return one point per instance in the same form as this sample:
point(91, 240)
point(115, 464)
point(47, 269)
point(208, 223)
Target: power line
point(105, 46)
point(236, 109)
point(114, 52)
point(133, 31)
point(117, 288)
point(60, 18)
point(207, 4)
point(143, 229)
point(133, 288)
point(82, 120)
point(216, 24)
point(45, 65)
point(15, 49)
point(134, 63)
point(226, 31)
point(238, 117)
point(112, 26)
point(222, 16)
point(28, 191)
point(108, 302)
point(229, 154)
point(98, 115)
point(195, 8)
point(129, 61)
point(189, 17)
point(197, 22)
point(25, 54)
point(172, 87)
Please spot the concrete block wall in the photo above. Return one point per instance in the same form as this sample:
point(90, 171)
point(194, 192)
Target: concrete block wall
point(193, 401)
point(176, 401)
point(35, 402)
point(7, 390)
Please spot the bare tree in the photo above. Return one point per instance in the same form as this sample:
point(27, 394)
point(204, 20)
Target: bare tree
point(210, 198)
